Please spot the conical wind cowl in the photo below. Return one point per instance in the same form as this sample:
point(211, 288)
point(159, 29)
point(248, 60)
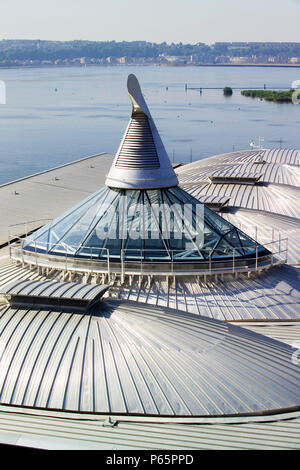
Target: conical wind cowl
point(141, 161)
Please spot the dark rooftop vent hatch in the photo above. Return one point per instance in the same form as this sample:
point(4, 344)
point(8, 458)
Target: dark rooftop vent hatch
point(52, 295)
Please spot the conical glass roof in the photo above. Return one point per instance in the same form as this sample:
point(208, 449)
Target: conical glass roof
point(160, 224)
point(142, 214)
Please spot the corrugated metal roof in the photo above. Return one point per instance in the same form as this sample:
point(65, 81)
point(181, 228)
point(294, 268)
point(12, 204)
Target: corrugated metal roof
point(277, 166)
point(275, 295)
point(67, 347)
point(273, 198)
point(287, 332)
point(268, 173)
point(59, 432)
point(135, 359)
point(272, 206)
point(281, 175)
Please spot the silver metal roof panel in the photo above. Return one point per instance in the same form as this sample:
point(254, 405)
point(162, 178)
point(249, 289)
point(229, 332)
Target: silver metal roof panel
point(272, 296)
point(53, 430)
point(62, 431)
point(280, 167)
point(131, 358)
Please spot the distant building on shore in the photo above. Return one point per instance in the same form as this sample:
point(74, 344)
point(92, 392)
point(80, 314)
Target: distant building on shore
point(294, 60)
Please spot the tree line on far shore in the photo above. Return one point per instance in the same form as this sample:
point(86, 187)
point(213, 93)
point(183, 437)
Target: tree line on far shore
point(53, 50)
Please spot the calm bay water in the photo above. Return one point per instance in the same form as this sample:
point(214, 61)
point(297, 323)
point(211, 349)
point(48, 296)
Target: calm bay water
point(56, 115)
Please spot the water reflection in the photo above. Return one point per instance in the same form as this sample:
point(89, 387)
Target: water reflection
point(87, 109)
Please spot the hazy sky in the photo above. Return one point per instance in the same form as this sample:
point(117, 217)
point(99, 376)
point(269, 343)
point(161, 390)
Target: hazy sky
point(151, 20)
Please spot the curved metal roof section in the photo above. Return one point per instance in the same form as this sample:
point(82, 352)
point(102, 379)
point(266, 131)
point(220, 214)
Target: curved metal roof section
point(275, 199)
point(272, 296)
point(141, 161)
point(258, 160)
point(287, 331)
point(274, 166)
point(276, 432)
point(128, 358)
point(275, 296)
point(276, 192)
point(268, 209)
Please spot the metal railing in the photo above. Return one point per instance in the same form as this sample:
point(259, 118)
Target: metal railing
point(94, 260)
point(22, 229)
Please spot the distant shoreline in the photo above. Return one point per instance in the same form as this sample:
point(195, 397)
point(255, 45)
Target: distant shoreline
point(249, 65)
point(37, 66)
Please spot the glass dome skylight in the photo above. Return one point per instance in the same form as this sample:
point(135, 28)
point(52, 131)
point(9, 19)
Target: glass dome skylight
point(160, 224)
